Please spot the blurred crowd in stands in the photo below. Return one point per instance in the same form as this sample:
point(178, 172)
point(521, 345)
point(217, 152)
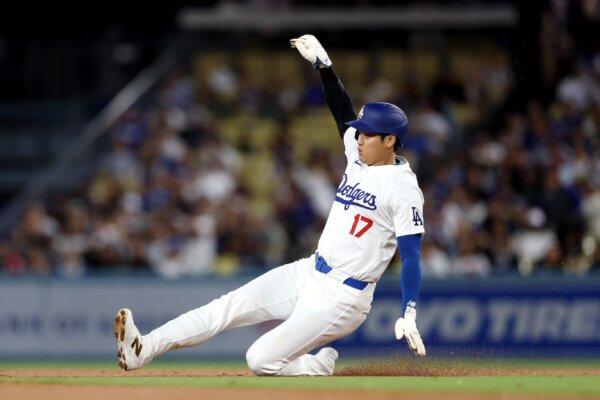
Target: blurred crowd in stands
point(219, 172)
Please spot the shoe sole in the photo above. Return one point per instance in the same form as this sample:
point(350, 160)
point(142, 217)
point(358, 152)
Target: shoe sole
point(119, 330)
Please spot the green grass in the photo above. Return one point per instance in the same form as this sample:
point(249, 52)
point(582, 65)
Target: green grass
point(542, 385)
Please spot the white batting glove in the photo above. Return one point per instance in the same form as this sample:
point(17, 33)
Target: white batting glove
point(407, 328)
point(310, 48)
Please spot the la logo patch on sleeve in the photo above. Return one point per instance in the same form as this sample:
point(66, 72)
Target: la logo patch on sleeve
point(416, 217)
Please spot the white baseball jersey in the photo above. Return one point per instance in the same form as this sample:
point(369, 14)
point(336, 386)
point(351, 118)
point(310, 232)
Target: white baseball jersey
point(373, 206)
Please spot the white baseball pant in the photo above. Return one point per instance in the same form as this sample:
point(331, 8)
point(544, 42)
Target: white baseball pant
point(317, 309)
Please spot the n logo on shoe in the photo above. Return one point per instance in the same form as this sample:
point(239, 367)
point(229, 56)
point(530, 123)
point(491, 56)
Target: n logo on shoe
point(137, 345)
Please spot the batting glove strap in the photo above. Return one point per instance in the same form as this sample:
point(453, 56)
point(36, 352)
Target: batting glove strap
point(406, 327)
point(309, 47)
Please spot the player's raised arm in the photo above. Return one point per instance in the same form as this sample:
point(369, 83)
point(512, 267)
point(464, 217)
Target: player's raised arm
point(338, 100)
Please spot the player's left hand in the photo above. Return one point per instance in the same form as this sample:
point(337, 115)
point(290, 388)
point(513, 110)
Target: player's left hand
point(310, 48)
point(407, 328)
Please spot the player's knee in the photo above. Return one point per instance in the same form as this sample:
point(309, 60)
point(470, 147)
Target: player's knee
point(262, 363)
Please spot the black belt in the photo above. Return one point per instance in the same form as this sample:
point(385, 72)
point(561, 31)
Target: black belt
point(321, 266)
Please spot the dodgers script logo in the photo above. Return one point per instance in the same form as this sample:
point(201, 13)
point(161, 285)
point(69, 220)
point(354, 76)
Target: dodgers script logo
point(354, 196)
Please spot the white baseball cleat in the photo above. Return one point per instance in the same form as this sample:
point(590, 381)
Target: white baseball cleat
point(130, 343)
point(328, 356)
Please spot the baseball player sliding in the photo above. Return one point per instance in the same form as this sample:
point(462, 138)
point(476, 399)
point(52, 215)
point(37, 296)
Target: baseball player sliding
point(378, 207)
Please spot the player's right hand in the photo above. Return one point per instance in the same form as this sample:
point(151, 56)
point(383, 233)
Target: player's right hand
point(310, 48)
point(407, 328)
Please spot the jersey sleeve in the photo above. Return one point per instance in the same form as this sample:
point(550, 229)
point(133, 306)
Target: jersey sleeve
point(407, 209)
point(350, 145)
point(338, 99)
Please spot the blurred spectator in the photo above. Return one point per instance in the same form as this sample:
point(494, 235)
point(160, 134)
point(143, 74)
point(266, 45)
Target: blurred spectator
point(579, 89)
point(435, 261)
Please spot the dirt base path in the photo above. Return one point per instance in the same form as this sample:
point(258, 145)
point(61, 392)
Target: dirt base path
point(458, 370)
point(361, 369)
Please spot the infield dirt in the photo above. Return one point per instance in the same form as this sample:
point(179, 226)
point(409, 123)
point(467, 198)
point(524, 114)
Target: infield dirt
point(444, 368)
point(360, 369)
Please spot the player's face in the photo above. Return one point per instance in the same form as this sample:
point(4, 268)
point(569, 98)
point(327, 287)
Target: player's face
point(375, 150)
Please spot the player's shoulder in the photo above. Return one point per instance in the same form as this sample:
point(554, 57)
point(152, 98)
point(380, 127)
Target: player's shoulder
point(350, 136)
point(350, 144)
point(402, 173)
point(403, 181)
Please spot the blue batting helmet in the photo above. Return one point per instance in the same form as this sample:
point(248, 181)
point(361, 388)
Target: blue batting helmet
point(380, 117)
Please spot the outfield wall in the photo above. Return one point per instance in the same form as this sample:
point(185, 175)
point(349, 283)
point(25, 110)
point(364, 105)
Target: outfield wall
point(491, 317)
